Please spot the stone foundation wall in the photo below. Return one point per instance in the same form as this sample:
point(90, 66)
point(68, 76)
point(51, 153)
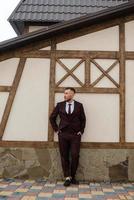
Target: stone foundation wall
point(94, 164)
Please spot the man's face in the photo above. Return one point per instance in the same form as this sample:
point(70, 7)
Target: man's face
point(68, 94)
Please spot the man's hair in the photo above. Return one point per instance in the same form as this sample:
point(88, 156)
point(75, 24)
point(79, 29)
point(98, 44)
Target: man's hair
point(70, 88)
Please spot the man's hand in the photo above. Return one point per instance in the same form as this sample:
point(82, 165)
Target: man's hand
point(79, 133)
point(53, 117)
point(59, 131)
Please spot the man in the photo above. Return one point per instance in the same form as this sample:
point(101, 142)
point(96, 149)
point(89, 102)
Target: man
point(70, 129)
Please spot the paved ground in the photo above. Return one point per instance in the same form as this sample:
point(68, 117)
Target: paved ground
point(14, 189)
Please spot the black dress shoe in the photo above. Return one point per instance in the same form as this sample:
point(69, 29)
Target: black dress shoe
point(74, 181)
point(67, 182)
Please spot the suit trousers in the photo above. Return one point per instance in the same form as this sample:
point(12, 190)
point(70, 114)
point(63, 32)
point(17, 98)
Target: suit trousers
point(69, 147)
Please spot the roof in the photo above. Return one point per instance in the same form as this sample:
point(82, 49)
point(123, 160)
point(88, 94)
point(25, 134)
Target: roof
point(56, 10)
point(65, 27)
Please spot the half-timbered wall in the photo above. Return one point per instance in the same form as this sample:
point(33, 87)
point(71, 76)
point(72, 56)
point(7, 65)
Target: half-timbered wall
point(98, 63)
point(28, 118)
point(7, 73)
point(88, 73)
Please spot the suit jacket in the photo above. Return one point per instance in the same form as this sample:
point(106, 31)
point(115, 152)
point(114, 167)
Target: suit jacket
point(76, 120)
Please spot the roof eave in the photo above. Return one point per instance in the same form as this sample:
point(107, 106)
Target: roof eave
point(13, 23)
point(15, 27)
point(74, 24)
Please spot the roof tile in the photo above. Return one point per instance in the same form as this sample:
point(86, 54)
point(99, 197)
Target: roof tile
point(59, 10)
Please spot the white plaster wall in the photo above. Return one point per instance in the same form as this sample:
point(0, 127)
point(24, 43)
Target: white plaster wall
point(35, 28)
point(129, 36)
point(96, 73)
point(78, 72)
point(102, 116)
point(7, 71)
point(107, 39)
point(129, 101)
point(28, 119)
point(3, 101)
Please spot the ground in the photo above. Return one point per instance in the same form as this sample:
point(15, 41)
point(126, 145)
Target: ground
point(41, 189)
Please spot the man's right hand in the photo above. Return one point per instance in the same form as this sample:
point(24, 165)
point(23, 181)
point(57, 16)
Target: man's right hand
point(59, 131)
point(79, 133)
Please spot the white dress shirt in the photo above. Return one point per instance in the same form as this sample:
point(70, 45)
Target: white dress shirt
point(72, 106)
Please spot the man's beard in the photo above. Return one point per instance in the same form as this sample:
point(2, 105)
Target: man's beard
point(68, 100)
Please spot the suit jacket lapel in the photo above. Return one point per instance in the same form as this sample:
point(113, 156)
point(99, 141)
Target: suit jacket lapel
point(64, 107)
point(74, 107)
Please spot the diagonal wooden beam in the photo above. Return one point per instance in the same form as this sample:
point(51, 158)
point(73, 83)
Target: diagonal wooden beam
point(69, 72)
point(103, 71)
point(102, 75)
point(12, 96)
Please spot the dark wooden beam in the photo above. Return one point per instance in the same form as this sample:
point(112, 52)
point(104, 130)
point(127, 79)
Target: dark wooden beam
point(91, 90)
point(34, 54)
point(84, 145)
point(129, 55)
point(51, 88)
point(122, 80)
point(5, 88)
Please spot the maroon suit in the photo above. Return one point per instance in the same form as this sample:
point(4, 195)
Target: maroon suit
point(69, 126)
